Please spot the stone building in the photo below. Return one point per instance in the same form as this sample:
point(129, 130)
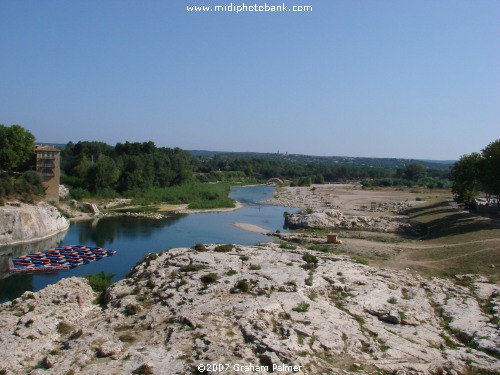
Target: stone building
point(48, 165)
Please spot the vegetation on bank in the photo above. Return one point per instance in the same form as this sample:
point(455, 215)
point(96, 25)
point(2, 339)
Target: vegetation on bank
point(476, 173)
point(195, 194)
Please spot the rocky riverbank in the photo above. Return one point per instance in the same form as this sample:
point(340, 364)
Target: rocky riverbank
point(20, 222)
point(255, 306)
point(336, 219)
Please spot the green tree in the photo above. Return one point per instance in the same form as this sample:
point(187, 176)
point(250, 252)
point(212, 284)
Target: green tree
point(16, 146)
point(103, 174)
point(465, 175)
point(489, 168)
point(414, 172)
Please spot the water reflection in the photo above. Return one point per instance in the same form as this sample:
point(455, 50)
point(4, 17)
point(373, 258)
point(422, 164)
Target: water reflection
point(105, 231)
point(15, 285)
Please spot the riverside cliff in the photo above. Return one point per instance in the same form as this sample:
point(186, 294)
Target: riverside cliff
point(257, 307)
point(29, 222)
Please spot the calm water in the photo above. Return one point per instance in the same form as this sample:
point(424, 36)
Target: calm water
point(135, 237)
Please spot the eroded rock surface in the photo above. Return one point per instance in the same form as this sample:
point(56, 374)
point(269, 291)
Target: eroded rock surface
point(336, 219)
point(29, 222)
point(259, 306)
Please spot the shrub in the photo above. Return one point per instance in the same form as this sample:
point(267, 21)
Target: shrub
point(200, 247)
point(224, 248)
point(100, 281)
point(301, 307)
point(209, 278)
point(244, 258)
point(79, 193)
point(309, 258)
point(191, 268)
point(393, 300)
point(254, 267)
point(231, 272)
point(243, 286)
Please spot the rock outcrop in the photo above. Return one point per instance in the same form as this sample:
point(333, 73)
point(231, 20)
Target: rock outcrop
point(255, 306)
point(29, 222)
point(336, 219)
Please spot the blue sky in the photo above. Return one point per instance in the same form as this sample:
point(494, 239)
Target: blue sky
point(411, 79)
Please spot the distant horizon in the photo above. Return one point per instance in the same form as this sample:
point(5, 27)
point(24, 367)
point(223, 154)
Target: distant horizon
point(388, 79)
point(257, 152)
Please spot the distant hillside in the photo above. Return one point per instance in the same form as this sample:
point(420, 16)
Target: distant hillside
point(339, 160)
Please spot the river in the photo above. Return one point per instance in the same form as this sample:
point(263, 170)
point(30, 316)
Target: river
point(135, 237)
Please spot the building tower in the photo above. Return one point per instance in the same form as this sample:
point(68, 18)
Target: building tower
point(48, 166)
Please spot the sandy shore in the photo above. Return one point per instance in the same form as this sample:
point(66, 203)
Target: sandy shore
point(251, 228)
point(349, 198)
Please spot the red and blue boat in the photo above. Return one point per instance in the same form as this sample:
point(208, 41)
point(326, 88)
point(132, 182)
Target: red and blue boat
point(61, 258)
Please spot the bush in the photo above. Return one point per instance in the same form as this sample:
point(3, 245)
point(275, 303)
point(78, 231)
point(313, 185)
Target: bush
point(301, 307)
point(79, 193)
point(209, 278)
point(243, 286)
point(100, 281)
point(191, 268)
point(309, 258)
point(200, 247)
point(224, 248)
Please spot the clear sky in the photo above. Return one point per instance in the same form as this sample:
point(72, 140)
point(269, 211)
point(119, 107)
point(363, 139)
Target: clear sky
point(405, 78)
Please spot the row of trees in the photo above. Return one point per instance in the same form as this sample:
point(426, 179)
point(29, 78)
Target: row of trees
point(478, 172)
point(127, 167)
point(305, 173)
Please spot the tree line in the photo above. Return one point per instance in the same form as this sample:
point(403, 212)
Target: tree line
point(305, 173)
point(126, 168)
point(137, 169)
point(478, 172)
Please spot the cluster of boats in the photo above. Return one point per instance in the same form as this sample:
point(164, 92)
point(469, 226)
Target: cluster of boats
point(59, 258)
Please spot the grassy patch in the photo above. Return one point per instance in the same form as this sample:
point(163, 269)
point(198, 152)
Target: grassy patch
point(287, 246)
point(360, 260)
point(321, 248)
point(197, 195)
